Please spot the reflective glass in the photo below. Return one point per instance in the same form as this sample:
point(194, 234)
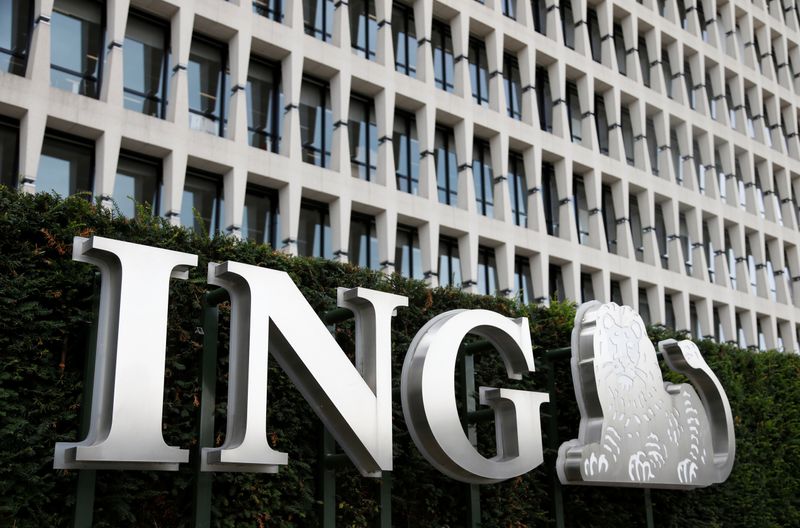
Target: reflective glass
point(446, 166)
point(318, 18)
point(76, 46)
point(363, 133)
point(260, 221)
point(206, 86)
point(66, 167)
point(405, 40)
point(407, 254)
point(202, 205)
point(16, 25)
point(406, 152)
point(138, 182)
point(145, 66)
point(316, 123)
point(9, 146)
point(264, 105)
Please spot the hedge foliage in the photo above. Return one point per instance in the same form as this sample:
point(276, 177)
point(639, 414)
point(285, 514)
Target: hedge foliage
point(46, 314)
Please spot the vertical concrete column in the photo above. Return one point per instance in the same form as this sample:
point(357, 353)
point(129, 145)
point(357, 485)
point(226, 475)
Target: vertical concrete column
point(567, 226)
point(694, 221)
point(790, 140)
point(106, 157)
point(728, 165)
point(340, 210)
point(727, 319)
point(554, 30)
point(31, 136)
point(602, 291)
point(526, 58)
point(676, 259)
point(540, 271)
point(468, 254)
point(504, 256)
point(630, 37)
point(112, 82)
point(663, 159)
point(571, 273)
point(182, 26)
point(749, 177)
point(778, 264)
point(426, 131)
point(502, 199)
point(585, 87)
point(494, 59)
point(292, 81)
point(736, 118)
point(581, 33)
point(652, 254)
point(768, 328)
point(706, 144)
point(788, 336)
point(466, 185)
point(532, 160)
point(641, 158)
point(340, 107)
point(605, 20)
point(239, 60)
point(756, 239)
point(720, 261)
point(341, 24)
point(386, 227)
point(705, 315)
point(384, 53)
point(655, 301)
point(289, 200)
point(38, 69)
point(423, 21)
point(742, 273)
point(384, 113)
point(592, 182)
point(525, 14)
point(293, 15)
point(459, 32)
point(619, 194)
point(174, 168)
point(235, 189)
point(429, 247)
point(684, 135)
point(557, 72)
point(630, 294)
point(611, 99)
point(680, 304)
point(748, 321)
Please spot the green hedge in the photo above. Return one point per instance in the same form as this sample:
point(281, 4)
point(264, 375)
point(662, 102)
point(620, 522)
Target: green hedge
point(46, 314)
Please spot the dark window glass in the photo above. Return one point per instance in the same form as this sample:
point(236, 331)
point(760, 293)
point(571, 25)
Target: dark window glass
point(666, 69)
point(523, 287)
point(550, 199)
point(539, 9)
point(757, 49)
point(487, 271)
point(272, 9)
point(710, 97)
point(701, 17)
point(264, 105)
point(407, 254)
point(556, 287)
point(627, 135)
point(652, 145)
point(662, 6)
point(644, 307)
point(574, 113)
point(513, 86)
point(568, 24)
point(16, 27)
point(595, 41)
point(681, 6)
point(363, 139)
point(446, 166)
point(609, 219)
point(76, 46)
point(719, 332)
point(701, 171)
point(601, 123)
point(731, 259)
point(363, 28)
point(449, 263)
point(677, 160)
point(482, 174)
point(138, 182)
point(694, 321)
point(669, 312)
point(661, 236)
point(616, 292)
point(620, 50)
point(260, 221)
point(406, 152)
point(66, 166)
point(581, 209)
point(314, 233)
point(510, 8)
point(708, 247)
point(636, 228)
point(443, 65)
point(730, 105)
point(363, 242)
point(689, 81)
point(587, 289)
point(517, 189)
point(145, 65)
point(405, 39)
point(9, 149)
point(202, 203)
point(644, 61)
point(686, 243)
point(318, 18)
point(479, 72)
point(316, 123)
point(544, 99)
point(208, 94)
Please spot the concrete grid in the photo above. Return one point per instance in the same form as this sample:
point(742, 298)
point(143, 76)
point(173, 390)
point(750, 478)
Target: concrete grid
point(726, 57)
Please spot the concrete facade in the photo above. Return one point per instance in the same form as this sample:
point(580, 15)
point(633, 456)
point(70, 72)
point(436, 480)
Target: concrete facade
point(761, 309)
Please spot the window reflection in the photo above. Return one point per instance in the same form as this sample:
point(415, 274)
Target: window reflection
point(405, 39)
point(316, 122)
point(76, 46)
point(202, 203)
point(363, 132)
point(407, 254)
point(264, 105)
point(138, 182)
point(207, 86)
point(406, 152)
point(314, 233)
point(261, 219)
point(66, 166)
point(16, 27)
point(9, 147)
point(145, 65)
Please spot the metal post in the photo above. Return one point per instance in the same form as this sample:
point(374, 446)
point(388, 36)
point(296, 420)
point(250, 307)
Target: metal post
point(328, 479)
point(648, 508)
point(474, 492)
point(386, 500)
point(85, 492)
point(550, 357)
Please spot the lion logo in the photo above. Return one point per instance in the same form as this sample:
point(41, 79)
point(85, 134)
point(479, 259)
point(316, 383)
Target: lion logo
point(637, 430)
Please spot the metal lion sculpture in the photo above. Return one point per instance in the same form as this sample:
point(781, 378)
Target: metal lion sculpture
point(635, 429)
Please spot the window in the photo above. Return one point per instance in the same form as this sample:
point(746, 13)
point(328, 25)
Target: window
point(406, 152)
point(407, 255)
point(748, 112)
point(318, 19)
point(316, 122)
point(138, 182)
point(681, 7)
point(708, 246)
point(669, 312)
point(539, 9)
point(363, 242)
point(76, 46)
point(16, 28)
point(694, 321)
point(595, 40)
point(363, 28)
point(487, 271)
point(636, 228)
point(652, 145)
point(517, 189)
point(66, 166)
point(587, 289)
point(478, 72)
point(405, 39)
point(759, 194)
point(510, 8)
point(9, 149)
point(616, 292)
point(627, 135)
point(314, 233)
point(363, 139)
point(609, 219)
point(677, 161)
point(260, 219)
point(443, 65)
point(719, 331)
point(766, 126)
point(686, 243)
point(523, 287)
point(730, 105)
point(145, 65)
point(513, 86)
point(661, 236)
point(666, 69)
point(264, 105)
point(446, 166)
point(544, 99)
point(449, 263)
point(742, 339)
point(731, 259)
point(581, 209)
point(701, 171)
point(620, 50)
point(689, 81)
point(567, 24)
point(751, 264)
point(644, 307)
point(556, 286)
point(701, 17)
point(207, 86)
point(550, 200)
point(482, 174)
point(272, 9)
point(644, 61)
point(574, 113)
point(601, 123)
point(202, 204)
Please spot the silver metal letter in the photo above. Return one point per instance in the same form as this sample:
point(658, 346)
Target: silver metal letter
point(128, 390)
point(429, 404)
point(355, 404)
point(635, 429)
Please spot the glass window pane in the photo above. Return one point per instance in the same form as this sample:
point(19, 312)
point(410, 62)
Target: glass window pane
point(137, 182)
point(76, 46)
point(263, 105)
point(9, 146)
point(144, 66)
point(16, 24)
point(316, 126)
point(201, 204)
point(206, 90)
point(260, 218)
point(66, 167)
